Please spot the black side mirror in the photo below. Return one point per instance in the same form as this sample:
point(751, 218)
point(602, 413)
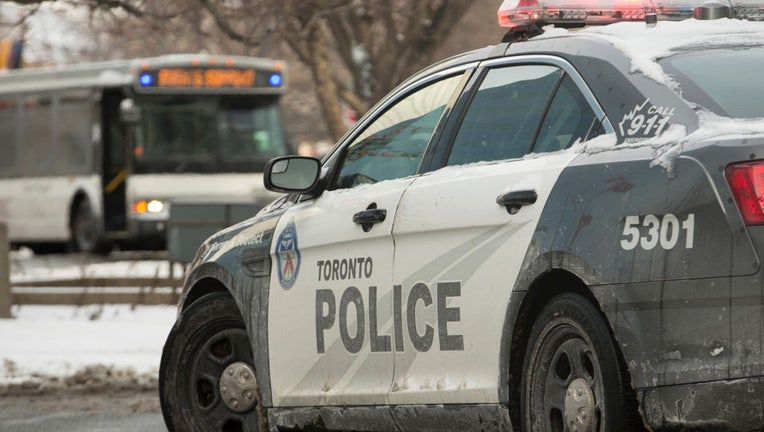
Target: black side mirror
point(292, 174)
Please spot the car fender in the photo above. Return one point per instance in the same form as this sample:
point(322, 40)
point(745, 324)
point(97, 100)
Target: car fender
point(238, 261)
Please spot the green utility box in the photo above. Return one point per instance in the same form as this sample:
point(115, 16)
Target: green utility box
point(190, 224)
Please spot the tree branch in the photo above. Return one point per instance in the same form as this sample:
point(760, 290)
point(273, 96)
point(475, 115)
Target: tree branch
point(226, 27)
point(125, 5)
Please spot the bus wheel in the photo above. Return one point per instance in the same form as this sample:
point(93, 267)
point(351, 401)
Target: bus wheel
point(573, 379)
point(85, 233)
point(207, 381)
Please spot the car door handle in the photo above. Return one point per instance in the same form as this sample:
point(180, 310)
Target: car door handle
point(369, 217)
point(513, 201)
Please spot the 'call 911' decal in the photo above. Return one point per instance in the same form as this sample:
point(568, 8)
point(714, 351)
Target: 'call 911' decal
point(650, 231)
point(645, 121)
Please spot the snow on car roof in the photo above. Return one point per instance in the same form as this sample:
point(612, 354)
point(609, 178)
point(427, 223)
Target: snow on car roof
point(643, 44)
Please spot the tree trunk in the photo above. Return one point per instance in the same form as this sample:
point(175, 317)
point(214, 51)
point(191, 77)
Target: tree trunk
point(327, 88)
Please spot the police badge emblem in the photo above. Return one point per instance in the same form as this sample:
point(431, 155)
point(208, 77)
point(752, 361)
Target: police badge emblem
point(288, 256)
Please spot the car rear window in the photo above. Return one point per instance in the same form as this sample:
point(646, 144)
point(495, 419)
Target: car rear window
point(727, 82)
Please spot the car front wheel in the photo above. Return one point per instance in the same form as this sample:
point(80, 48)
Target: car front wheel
point(207, 379)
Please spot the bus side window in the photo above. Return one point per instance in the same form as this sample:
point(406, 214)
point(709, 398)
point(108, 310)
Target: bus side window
point(8, 130)
point(37, 136)
point(73, 133)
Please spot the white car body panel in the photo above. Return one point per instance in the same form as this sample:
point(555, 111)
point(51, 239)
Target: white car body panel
point(302, 376)
point(449, 228)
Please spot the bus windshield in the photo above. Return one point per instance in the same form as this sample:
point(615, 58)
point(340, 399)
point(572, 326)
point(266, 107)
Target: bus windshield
point(207, 133)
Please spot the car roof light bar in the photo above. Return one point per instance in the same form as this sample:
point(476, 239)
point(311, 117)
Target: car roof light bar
point(520, 14)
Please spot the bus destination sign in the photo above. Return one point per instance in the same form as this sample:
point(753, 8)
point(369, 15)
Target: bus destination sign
point(208, 78)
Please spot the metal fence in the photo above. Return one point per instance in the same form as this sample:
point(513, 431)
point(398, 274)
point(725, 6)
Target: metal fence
point(5, 273)
point(189, 225)
point(135, 289)
point(99, 290)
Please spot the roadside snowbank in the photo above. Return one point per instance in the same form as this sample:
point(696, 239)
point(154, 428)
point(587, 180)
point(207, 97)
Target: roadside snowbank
point(83, 346)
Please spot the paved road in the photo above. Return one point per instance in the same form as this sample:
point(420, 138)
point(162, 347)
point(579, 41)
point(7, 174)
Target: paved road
point(62, 412)
point(66, 421)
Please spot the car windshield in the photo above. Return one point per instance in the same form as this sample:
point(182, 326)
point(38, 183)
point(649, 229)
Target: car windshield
point(727, 82)
point(208, 134)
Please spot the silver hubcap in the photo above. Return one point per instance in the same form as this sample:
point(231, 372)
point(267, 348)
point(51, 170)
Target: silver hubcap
point(238, 387)
point(579, 406)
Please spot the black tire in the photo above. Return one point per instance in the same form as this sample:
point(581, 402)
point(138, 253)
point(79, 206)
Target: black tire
point(572, 373)
point(208, 341)
point(85, 229)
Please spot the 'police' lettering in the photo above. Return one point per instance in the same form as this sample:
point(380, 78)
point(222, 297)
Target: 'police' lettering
point(449, 314)
point(378, 343)
point(422, 342)
point(352, 343)
point(352, 323)
point(324, 320)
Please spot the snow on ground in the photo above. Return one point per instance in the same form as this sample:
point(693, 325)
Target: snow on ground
point(82, 345)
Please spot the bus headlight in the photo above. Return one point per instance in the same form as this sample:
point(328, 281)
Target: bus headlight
point(149, 206)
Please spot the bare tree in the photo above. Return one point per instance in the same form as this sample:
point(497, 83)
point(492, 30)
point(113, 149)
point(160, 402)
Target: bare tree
point(354, 50)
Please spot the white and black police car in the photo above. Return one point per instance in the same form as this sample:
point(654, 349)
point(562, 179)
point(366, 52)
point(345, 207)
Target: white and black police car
point(561, 232)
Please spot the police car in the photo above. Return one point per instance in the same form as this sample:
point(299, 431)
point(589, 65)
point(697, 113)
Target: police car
point(561, 232)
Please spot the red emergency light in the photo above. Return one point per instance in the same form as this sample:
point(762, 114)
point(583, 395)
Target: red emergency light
point(576, 13)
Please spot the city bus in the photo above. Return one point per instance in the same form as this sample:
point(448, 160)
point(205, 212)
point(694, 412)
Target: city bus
point(95, 154)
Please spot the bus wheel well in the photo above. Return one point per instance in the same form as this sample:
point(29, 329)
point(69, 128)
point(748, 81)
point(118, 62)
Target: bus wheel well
point(76, 200)
point(203, 287)
point(86, 226)
point(543, 289)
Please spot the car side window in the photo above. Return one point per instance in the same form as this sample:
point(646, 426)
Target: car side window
point(504, 114)
point(392, 145)
point(569, 118)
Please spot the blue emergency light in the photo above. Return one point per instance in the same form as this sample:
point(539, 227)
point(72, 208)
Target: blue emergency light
point(146, 79)
point(276, 80)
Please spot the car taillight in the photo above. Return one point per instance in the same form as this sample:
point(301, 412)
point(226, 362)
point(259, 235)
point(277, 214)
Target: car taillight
point(746, 180)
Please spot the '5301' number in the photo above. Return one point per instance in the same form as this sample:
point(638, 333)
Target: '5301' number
point(664, 232)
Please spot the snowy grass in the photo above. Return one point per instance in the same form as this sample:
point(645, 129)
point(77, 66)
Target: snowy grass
point(89, 347)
